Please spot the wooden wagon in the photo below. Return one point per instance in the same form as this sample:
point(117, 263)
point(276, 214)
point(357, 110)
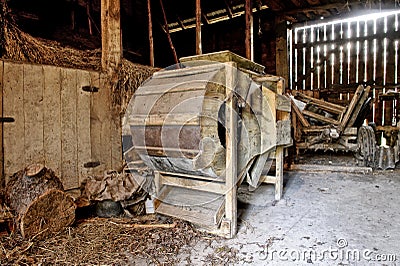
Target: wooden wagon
point(321, 125)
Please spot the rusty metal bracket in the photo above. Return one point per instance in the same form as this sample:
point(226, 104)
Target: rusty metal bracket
point(90, 88)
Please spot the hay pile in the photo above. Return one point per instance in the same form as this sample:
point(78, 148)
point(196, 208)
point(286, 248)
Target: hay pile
point(99, 241)
point(127, 79)
point(20, 46)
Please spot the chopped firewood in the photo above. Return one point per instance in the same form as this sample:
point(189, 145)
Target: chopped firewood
point(22, 189)
point(49, 213)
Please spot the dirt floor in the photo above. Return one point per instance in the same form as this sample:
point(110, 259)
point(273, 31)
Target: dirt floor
point(324, 218)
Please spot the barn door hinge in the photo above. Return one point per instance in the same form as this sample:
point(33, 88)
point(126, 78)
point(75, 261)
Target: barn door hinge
point(7, 119)
point(90, 88)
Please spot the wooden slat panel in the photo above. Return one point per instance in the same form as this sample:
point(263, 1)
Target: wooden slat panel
point(14, 133)
point(362, 53)
point(100, 121)
point(391, 36)
point(353, 64)
point(380, 56)
point(379, 68)
point(396, 42)
point(52, 118)
point(204, 207)
point(343, 41)
point(314, 55)
point(336, 68)
point(33, 113)
point(346, 53)
point(83, 124)
point(68, 129)
point(324, 60)
point(330, 53)
point(370, 64)
point(397, 48)
point(390, 66)
point(309, 57)
point(300, 62)
point(116, 143)
point(2, 178)
point(370, 50)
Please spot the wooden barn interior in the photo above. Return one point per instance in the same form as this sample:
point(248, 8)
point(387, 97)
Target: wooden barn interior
point(194, 132)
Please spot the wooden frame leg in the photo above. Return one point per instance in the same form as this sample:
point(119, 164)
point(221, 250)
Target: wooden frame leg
point(157, 183)
point(279, 173)
point(229, 226)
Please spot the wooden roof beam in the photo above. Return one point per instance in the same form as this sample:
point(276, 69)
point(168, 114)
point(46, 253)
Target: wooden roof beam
point(299, 3)
point(205, 18)
point(322, 10)
point(275, 5)
point(111, 48)
point(181, 23)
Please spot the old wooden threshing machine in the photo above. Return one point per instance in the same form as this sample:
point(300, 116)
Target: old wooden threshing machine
point(206, 126)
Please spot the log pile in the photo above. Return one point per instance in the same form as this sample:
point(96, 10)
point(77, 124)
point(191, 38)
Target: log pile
point(36, 196)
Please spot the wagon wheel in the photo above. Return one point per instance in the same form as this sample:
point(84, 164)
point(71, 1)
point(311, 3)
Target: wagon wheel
point(366, 145)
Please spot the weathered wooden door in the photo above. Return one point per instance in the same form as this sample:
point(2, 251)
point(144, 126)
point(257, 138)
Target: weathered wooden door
point(2, 179)
point(56, 122)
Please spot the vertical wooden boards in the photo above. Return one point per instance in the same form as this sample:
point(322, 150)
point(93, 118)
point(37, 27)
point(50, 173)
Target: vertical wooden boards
point(52, 118)
point(330, 56)
point(114, 120)
point(282, 67)
point(300, 59)
point(100, 125)
point(390, 63)
point(56, 122)
point(319, 74)
point(116, 143)
point(325, 58)
point(397, 50)
point(347, 53)
point(83, 124)
point(391, 49)
point(361, 52)
point(380, 51)
point(13, 105)
point(33, 113)
point(69, 167)
point(2, 178)
point(352, 53)
point(337, 54)
point(310, 59)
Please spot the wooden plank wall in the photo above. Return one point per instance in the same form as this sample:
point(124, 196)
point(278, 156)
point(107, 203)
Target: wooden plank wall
point(342, 54)
point(56, 122)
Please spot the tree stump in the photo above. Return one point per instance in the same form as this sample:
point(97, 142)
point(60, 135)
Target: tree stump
point(36, 196)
